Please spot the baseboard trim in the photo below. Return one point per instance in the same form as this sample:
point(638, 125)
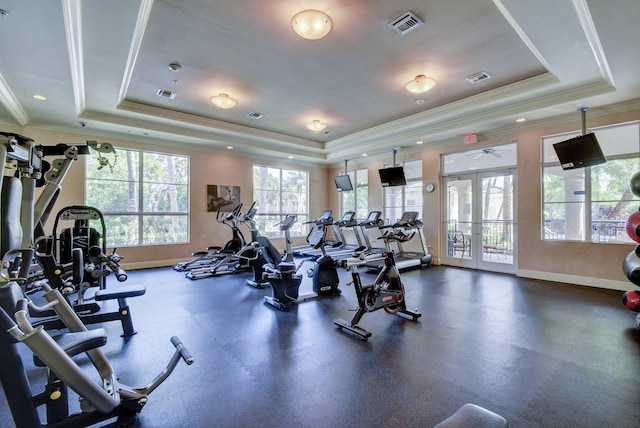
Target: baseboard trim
point(151, 264)
point(609, 284)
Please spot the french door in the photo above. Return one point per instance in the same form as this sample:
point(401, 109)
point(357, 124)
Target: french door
point(480, 224)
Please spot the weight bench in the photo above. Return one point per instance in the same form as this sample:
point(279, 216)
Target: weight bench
point(473, 416)
point(89, 312)
point(123, 314)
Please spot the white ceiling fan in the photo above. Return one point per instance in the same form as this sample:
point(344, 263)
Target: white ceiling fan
point(486, 151)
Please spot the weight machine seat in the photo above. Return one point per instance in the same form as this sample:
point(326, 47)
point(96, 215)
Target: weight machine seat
point(120, 292)
point(11, 228)
point(473, 416)
point(77, 343)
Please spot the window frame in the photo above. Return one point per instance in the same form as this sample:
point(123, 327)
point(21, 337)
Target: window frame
point(590, 232)
point(269, 227)
point(139, 214)
point(360, 186)
point(412, 182)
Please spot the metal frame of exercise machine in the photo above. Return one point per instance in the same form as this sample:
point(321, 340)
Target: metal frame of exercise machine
point(386, 292)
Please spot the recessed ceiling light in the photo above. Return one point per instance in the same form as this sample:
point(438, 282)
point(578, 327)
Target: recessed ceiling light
point(419, 101)
point(419, 142)
point(230, 147)
point(40, 97)
point(520, 119)
point(364, 155)
point(174, 66)
point(289, 157)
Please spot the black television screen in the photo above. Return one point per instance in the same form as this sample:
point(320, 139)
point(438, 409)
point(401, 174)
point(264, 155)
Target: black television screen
point(579, 152)
point(393, 176)
point(343, 183)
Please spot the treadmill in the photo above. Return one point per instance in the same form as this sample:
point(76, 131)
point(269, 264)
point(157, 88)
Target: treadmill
point(339, 244)
point(371, 222)
point(360, 229)
point(325, 220)
point(348, 221)
point(404, 230)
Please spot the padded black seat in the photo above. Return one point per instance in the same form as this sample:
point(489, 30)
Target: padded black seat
point(473, 416)
point(120, 292)
point(11, 229)
point(77, 343)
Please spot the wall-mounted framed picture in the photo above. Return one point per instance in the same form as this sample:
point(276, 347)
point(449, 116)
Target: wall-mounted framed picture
point(223, 197)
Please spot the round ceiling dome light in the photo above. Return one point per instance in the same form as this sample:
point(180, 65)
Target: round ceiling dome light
point(311, 24)
point(223, 101)
point(420, 84)
point(316, 126)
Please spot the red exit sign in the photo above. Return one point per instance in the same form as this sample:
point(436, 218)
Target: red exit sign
point(470, 139)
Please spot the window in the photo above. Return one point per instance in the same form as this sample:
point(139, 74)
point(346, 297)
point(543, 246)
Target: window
point(143, 196)
point(358, 199)
point(399, 199)
point(279, 192)
point(593, 203)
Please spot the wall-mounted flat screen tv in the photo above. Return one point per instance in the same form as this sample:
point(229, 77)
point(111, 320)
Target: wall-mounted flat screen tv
point(579, 152)
point(343, 183)
point(393, 176)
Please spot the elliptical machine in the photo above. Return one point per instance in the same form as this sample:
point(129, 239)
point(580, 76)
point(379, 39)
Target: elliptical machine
point(387, 292)
point(204, 259)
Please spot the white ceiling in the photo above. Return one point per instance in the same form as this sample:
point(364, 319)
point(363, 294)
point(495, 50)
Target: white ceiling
point(101, 62)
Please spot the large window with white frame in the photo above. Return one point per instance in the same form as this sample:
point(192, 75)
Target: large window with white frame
point(143, 196)
point(399, 199)
point(591, 204)
point(358, 199)
point(279, 192)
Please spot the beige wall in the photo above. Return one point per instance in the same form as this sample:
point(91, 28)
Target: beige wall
point(583, 263)
point(579, 263)
point(206, 168)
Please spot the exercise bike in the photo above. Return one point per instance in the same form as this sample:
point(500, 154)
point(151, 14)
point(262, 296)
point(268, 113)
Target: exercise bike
point(257, 263)
point(387, 292)
point(285, 281)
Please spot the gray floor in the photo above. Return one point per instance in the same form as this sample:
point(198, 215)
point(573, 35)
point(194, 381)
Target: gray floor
point(540, 354)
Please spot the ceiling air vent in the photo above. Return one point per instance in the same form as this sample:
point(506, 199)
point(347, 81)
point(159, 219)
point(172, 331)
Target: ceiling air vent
point(405, 23)
point(478, 77)
point(166, 93)
point(255, 115)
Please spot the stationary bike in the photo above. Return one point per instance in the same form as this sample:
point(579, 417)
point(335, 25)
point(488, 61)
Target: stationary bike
point(387, 292)
point(285, 281)
point(257, 263)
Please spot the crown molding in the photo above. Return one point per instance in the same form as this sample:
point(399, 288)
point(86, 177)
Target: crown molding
point(10, 102)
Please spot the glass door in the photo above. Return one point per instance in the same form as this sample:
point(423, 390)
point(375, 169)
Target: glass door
point(480, 221)
point(496, 239)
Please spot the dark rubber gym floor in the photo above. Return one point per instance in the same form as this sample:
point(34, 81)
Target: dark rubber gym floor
point(540, 354)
